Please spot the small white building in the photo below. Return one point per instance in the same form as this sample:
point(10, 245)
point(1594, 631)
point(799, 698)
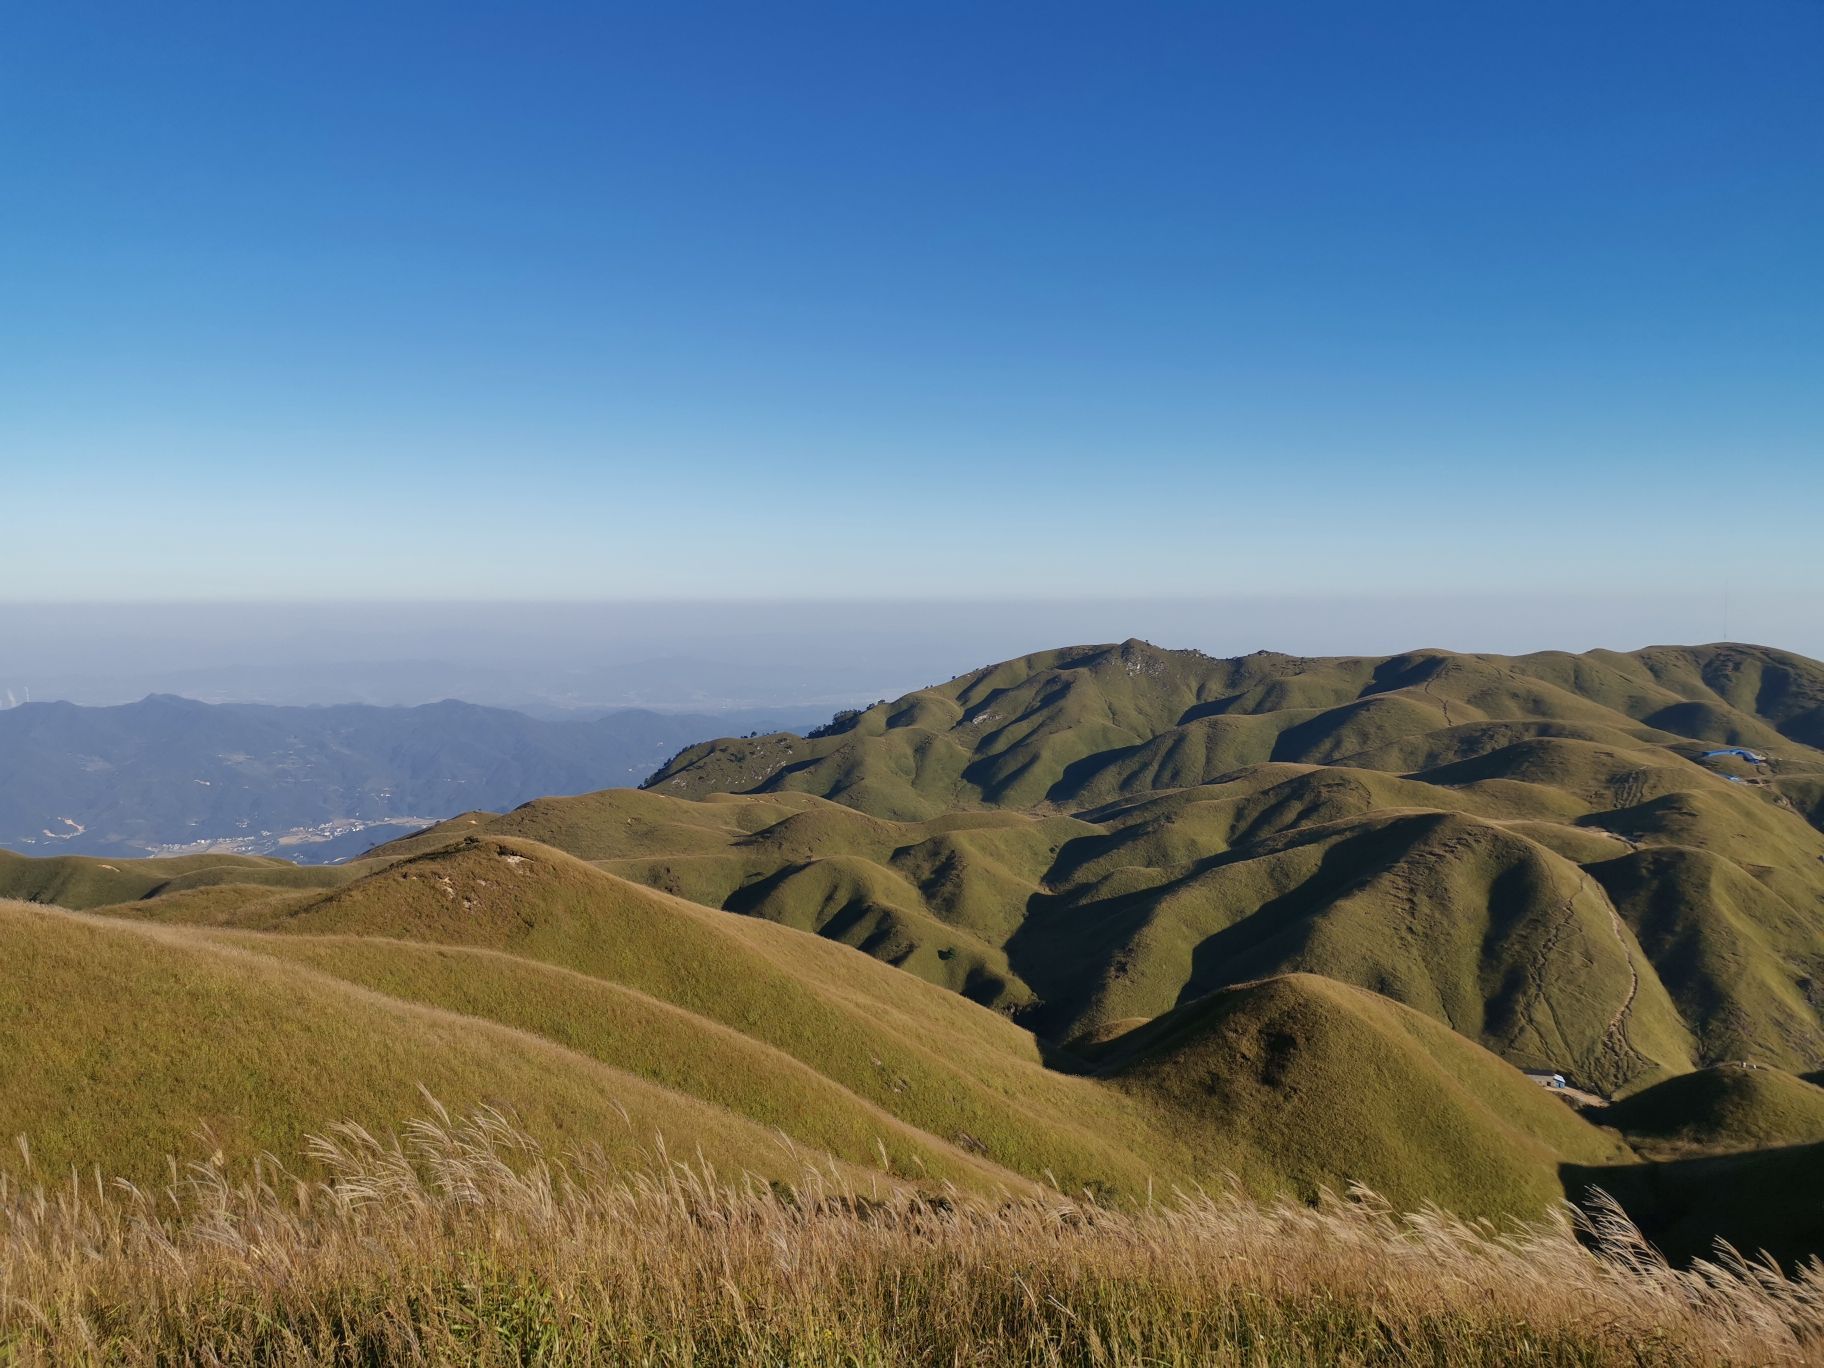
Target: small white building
point(1545, 1078)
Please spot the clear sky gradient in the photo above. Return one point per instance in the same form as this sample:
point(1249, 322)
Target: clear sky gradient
point(919, 300)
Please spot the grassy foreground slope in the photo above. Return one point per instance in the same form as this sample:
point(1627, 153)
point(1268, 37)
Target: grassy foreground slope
point(126, 1044)
point(484, 1251)
point(726, 1033)
point(906, 1047)
point(924, 1056)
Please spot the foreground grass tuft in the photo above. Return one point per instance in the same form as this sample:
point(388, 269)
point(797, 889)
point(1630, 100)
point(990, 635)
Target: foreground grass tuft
point(463, 1242)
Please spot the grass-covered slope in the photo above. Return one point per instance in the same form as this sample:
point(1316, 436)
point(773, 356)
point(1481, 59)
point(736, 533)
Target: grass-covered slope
point(1759, 1201)
point(488, 968)
point(1271, 1066)
point(128, 1043)
point(1089, 723)
point(1540, 852)
point(1485, 930)
point(79, 881)
point(905, 1046)
point(1532, 899)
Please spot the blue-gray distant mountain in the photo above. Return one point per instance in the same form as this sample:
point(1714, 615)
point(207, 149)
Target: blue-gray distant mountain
point(169, 774)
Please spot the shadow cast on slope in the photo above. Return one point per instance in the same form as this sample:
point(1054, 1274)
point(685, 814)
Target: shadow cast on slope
point(1768, 1200)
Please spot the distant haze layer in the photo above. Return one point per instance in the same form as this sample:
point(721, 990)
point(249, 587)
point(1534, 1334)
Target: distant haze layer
point(715, 655)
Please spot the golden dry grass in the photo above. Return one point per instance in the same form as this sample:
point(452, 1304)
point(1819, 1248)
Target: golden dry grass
point(464, 1243)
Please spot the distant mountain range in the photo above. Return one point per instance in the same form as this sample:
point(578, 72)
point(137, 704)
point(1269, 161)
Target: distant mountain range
point(170, 775)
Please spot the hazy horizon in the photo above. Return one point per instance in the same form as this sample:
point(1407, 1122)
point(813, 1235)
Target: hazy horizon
point(734, 654)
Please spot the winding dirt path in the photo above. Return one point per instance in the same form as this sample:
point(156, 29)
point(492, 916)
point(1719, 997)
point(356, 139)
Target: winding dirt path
point(1613, 1044)
point(1615, 1036)
point(1442, 702)
point(1541, 1002)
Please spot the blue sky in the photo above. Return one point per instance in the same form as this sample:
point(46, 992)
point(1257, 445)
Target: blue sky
point(394, 301)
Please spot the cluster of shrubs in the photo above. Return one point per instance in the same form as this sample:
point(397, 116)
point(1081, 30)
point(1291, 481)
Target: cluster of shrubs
point(844, 721)
point(837, 725)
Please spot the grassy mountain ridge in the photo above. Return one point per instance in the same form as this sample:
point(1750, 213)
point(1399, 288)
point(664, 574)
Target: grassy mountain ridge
point(1083, 724)
point(1538, 851)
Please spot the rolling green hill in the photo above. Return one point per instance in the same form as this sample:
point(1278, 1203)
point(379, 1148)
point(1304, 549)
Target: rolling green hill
point(1538, 851)
point(1087, 724)
point(129, 1043)
point(80, 881)
point(1720, 1109)
point(1273, 1063)
point(487, 969)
